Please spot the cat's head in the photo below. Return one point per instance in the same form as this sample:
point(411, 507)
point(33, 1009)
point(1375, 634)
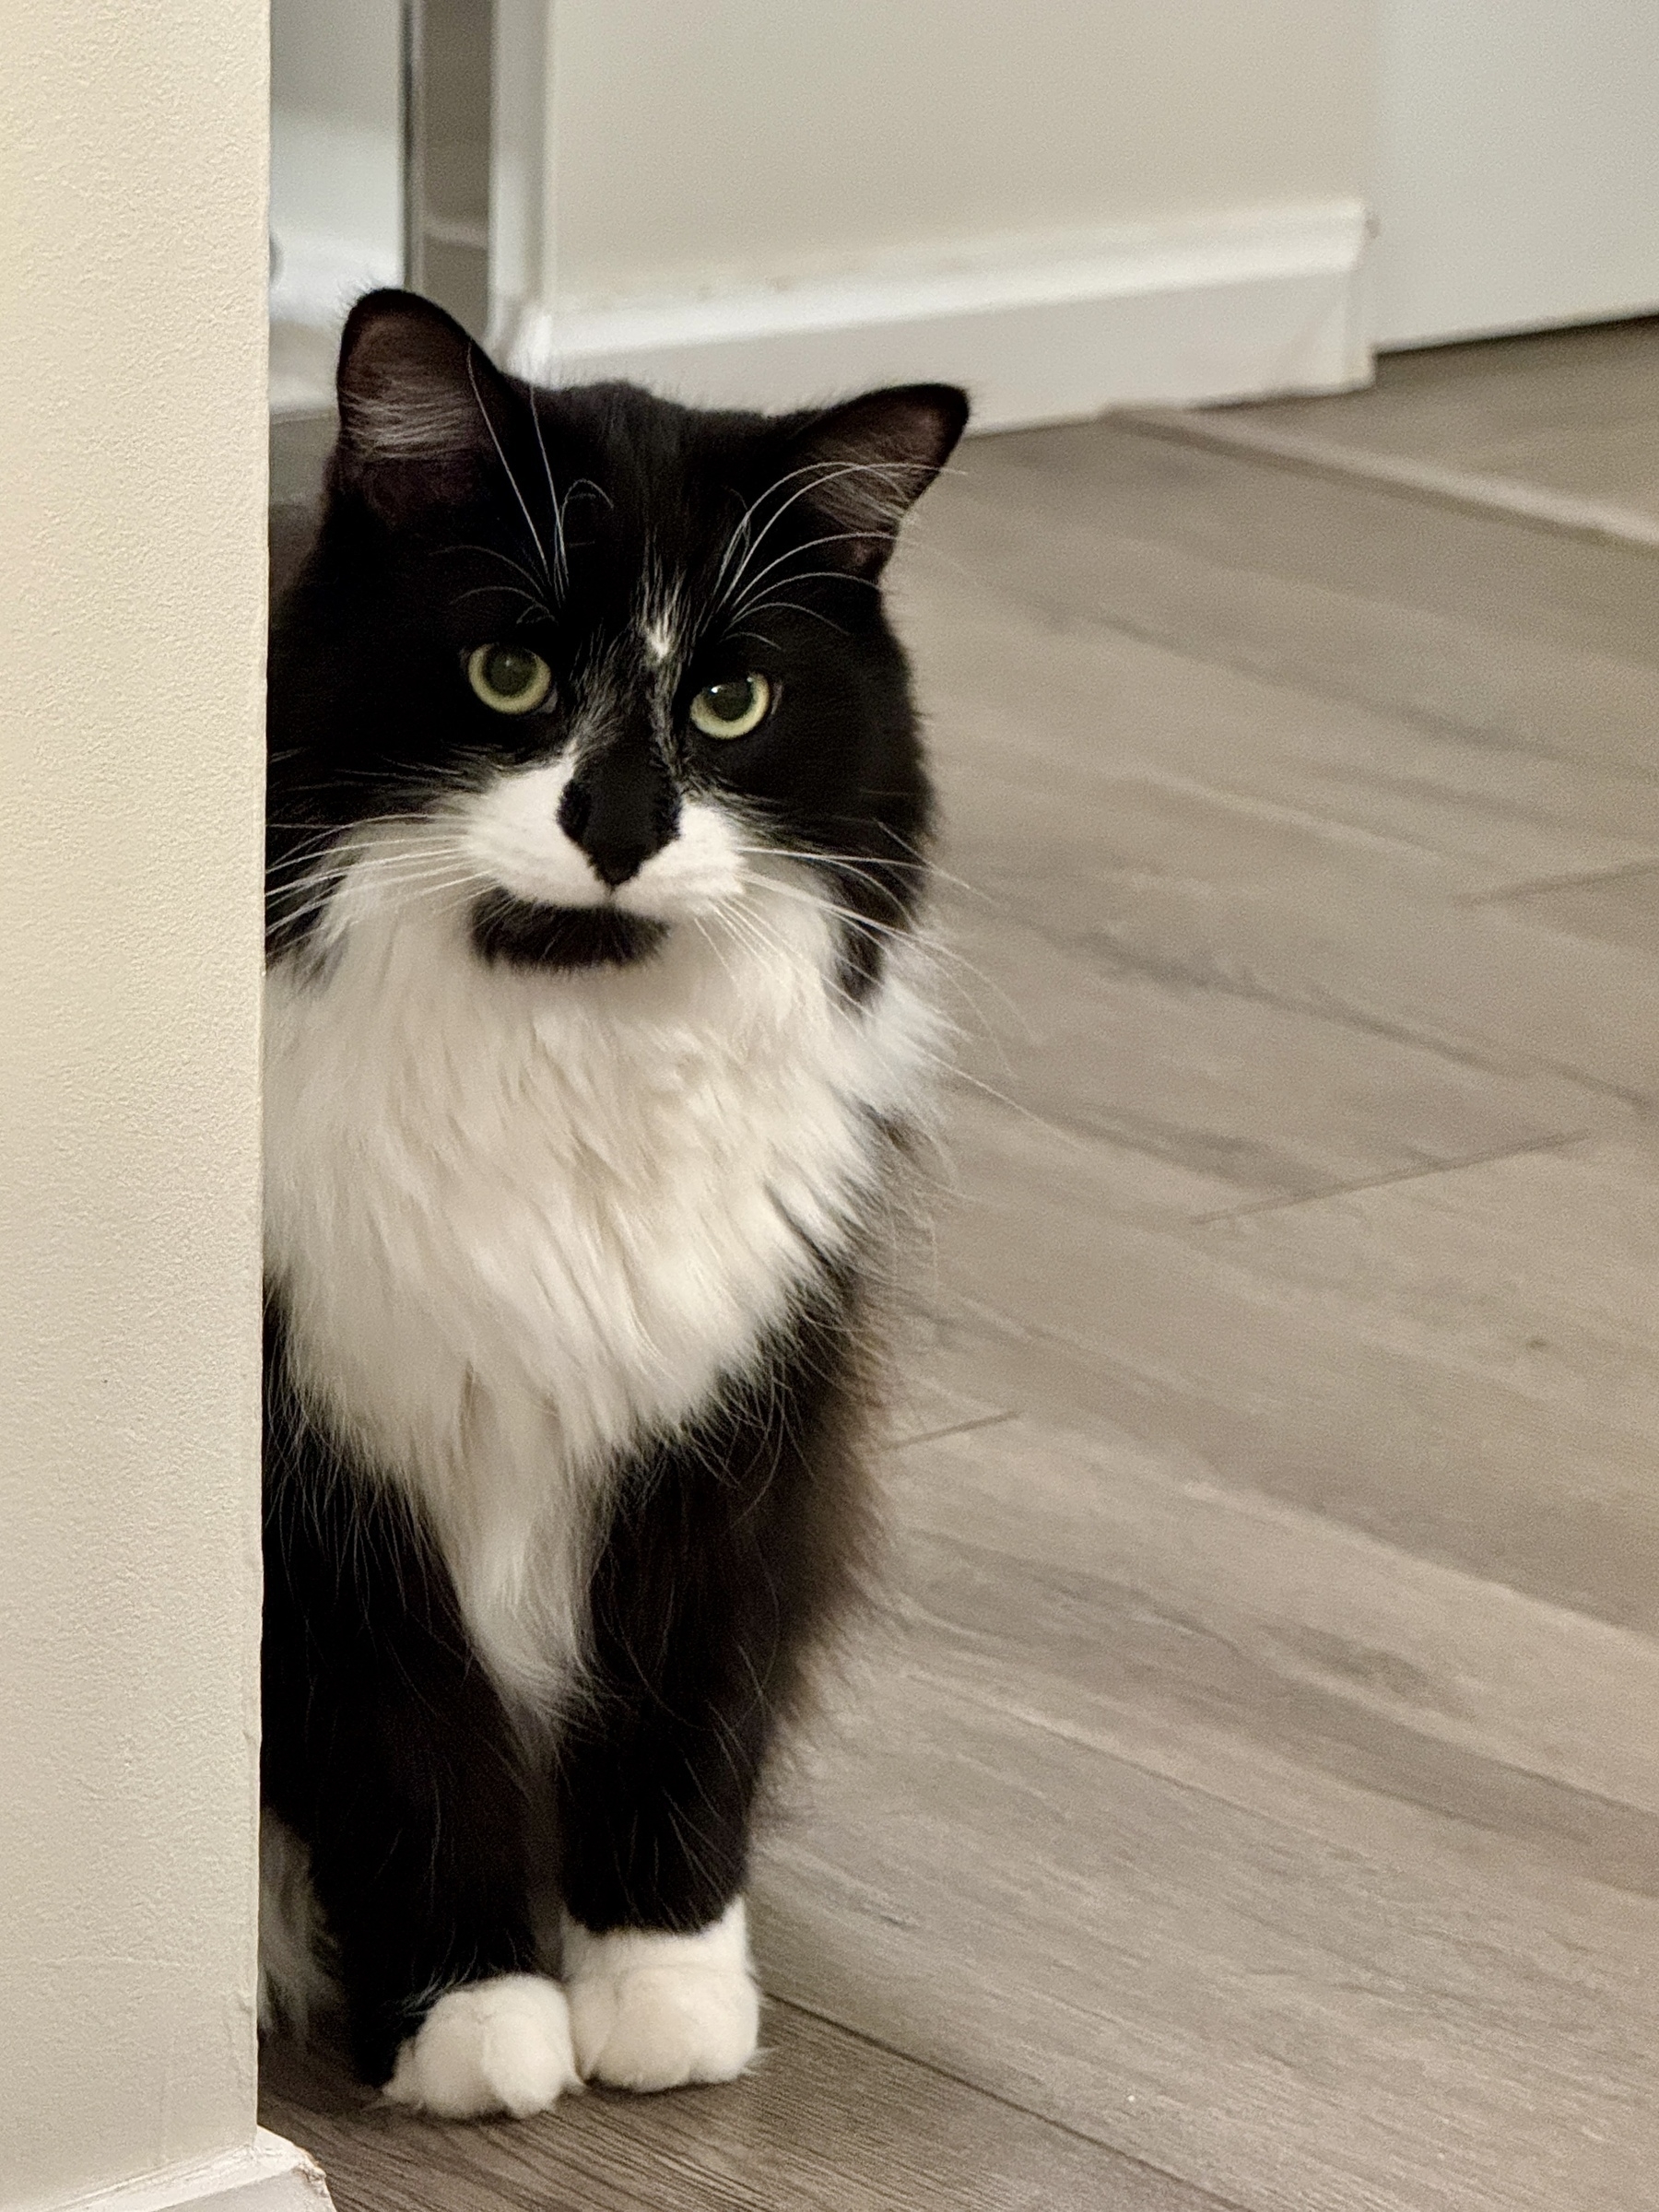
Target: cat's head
point(595, 662)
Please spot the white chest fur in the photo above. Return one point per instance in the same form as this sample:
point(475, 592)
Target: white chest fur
point(521, 1219)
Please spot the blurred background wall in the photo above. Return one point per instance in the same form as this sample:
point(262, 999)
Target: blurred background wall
point(1065, 205)
point(1050, 202)
point(789, 142)
point(1515, 185)
point(336, 221)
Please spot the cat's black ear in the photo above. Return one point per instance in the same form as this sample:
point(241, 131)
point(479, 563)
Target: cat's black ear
point(868, 462)
point(422, 404)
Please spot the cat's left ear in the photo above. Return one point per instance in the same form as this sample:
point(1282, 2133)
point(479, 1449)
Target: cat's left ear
point(422, 406)
point(866, 464)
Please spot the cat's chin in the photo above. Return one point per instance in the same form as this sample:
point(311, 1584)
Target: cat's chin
point(518, 932)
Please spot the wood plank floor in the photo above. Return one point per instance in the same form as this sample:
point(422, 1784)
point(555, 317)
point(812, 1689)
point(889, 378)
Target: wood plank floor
point(1564, 423)
point(1249, 1797)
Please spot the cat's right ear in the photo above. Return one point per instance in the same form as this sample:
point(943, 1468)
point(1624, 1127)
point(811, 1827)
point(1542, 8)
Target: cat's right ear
point(422, 406)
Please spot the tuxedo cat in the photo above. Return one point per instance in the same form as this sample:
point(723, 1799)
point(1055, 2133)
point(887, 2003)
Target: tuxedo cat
point(598, 1030)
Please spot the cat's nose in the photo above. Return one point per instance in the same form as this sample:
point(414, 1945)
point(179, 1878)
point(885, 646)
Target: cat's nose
point(621, 810)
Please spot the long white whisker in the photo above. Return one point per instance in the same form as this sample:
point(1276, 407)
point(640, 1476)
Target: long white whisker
point(743, 520)
point(341, 859)
point(507, 467)
point(417, 835)
point(700, 923)
point(588, 484)
point(832, 537)
point(822, 472)
point(805, 576)
point(495, 553)
point(327, 827)
point(449, 889)
point(429, 880)
point(534, 600)
point(948, 956)
point(855, 860)
point(920, 860)
point(561, 572)
point(830, 906)
point(753, 932)
point(793, 607)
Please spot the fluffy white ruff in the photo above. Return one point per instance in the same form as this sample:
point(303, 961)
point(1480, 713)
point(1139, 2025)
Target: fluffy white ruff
point(523, 1220)
point(500, 2046)
point(653, 2012)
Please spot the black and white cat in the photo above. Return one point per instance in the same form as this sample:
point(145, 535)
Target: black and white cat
point(598, 1027)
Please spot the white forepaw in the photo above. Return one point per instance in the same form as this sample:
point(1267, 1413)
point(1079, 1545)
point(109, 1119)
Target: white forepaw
point(500, 2046)
point(652, 2012)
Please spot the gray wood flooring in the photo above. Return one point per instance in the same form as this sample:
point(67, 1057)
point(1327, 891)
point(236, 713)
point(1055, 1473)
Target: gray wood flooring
point(1563, 424)
point(1250, 1795)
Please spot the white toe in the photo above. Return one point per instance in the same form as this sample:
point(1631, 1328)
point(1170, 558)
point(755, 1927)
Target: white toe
point(500, 2046)
point(653, 2012)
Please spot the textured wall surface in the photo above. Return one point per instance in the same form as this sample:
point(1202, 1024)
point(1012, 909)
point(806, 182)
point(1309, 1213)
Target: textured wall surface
point(132, 563)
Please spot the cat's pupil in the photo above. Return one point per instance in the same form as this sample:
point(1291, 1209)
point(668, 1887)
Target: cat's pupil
point(510, 672)
point(731, 702)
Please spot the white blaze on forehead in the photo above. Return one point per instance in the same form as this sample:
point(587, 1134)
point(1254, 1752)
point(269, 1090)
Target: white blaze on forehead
point(658, 640)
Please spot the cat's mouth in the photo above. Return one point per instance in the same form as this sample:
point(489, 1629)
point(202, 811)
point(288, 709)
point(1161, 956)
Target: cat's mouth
point(521, 933)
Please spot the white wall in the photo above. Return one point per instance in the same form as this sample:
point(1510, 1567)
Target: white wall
point(132, 566)
point(1065, 204)
point(337, 183)
point(1517, 182)
point(745, 141)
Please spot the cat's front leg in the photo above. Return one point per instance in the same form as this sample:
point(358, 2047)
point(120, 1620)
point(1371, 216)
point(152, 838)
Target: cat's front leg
point(656, 1789)
point(389, 1751)
point(418, 1859)
point(727, 1550)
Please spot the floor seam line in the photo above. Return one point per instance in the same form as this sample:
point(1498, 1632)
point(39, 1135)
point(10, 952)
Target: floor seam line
point(1587, 881)
point(1065, 2127)
point(1046, 1725)
point(1427, 719)
point(1383, 1182)
point(1486, 736)
point(1470, 491)
point(934, 1436)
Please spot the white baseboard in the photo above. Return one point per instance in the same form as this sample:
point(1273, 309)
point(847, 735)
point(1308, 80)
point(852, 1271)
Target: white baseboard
point(1235, 306)
point(271, 2175)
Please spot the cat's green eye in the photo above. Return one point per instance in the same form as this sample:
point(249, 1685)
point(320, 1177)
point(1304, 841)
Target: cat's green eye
point(732, 708)
point(511, 679)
